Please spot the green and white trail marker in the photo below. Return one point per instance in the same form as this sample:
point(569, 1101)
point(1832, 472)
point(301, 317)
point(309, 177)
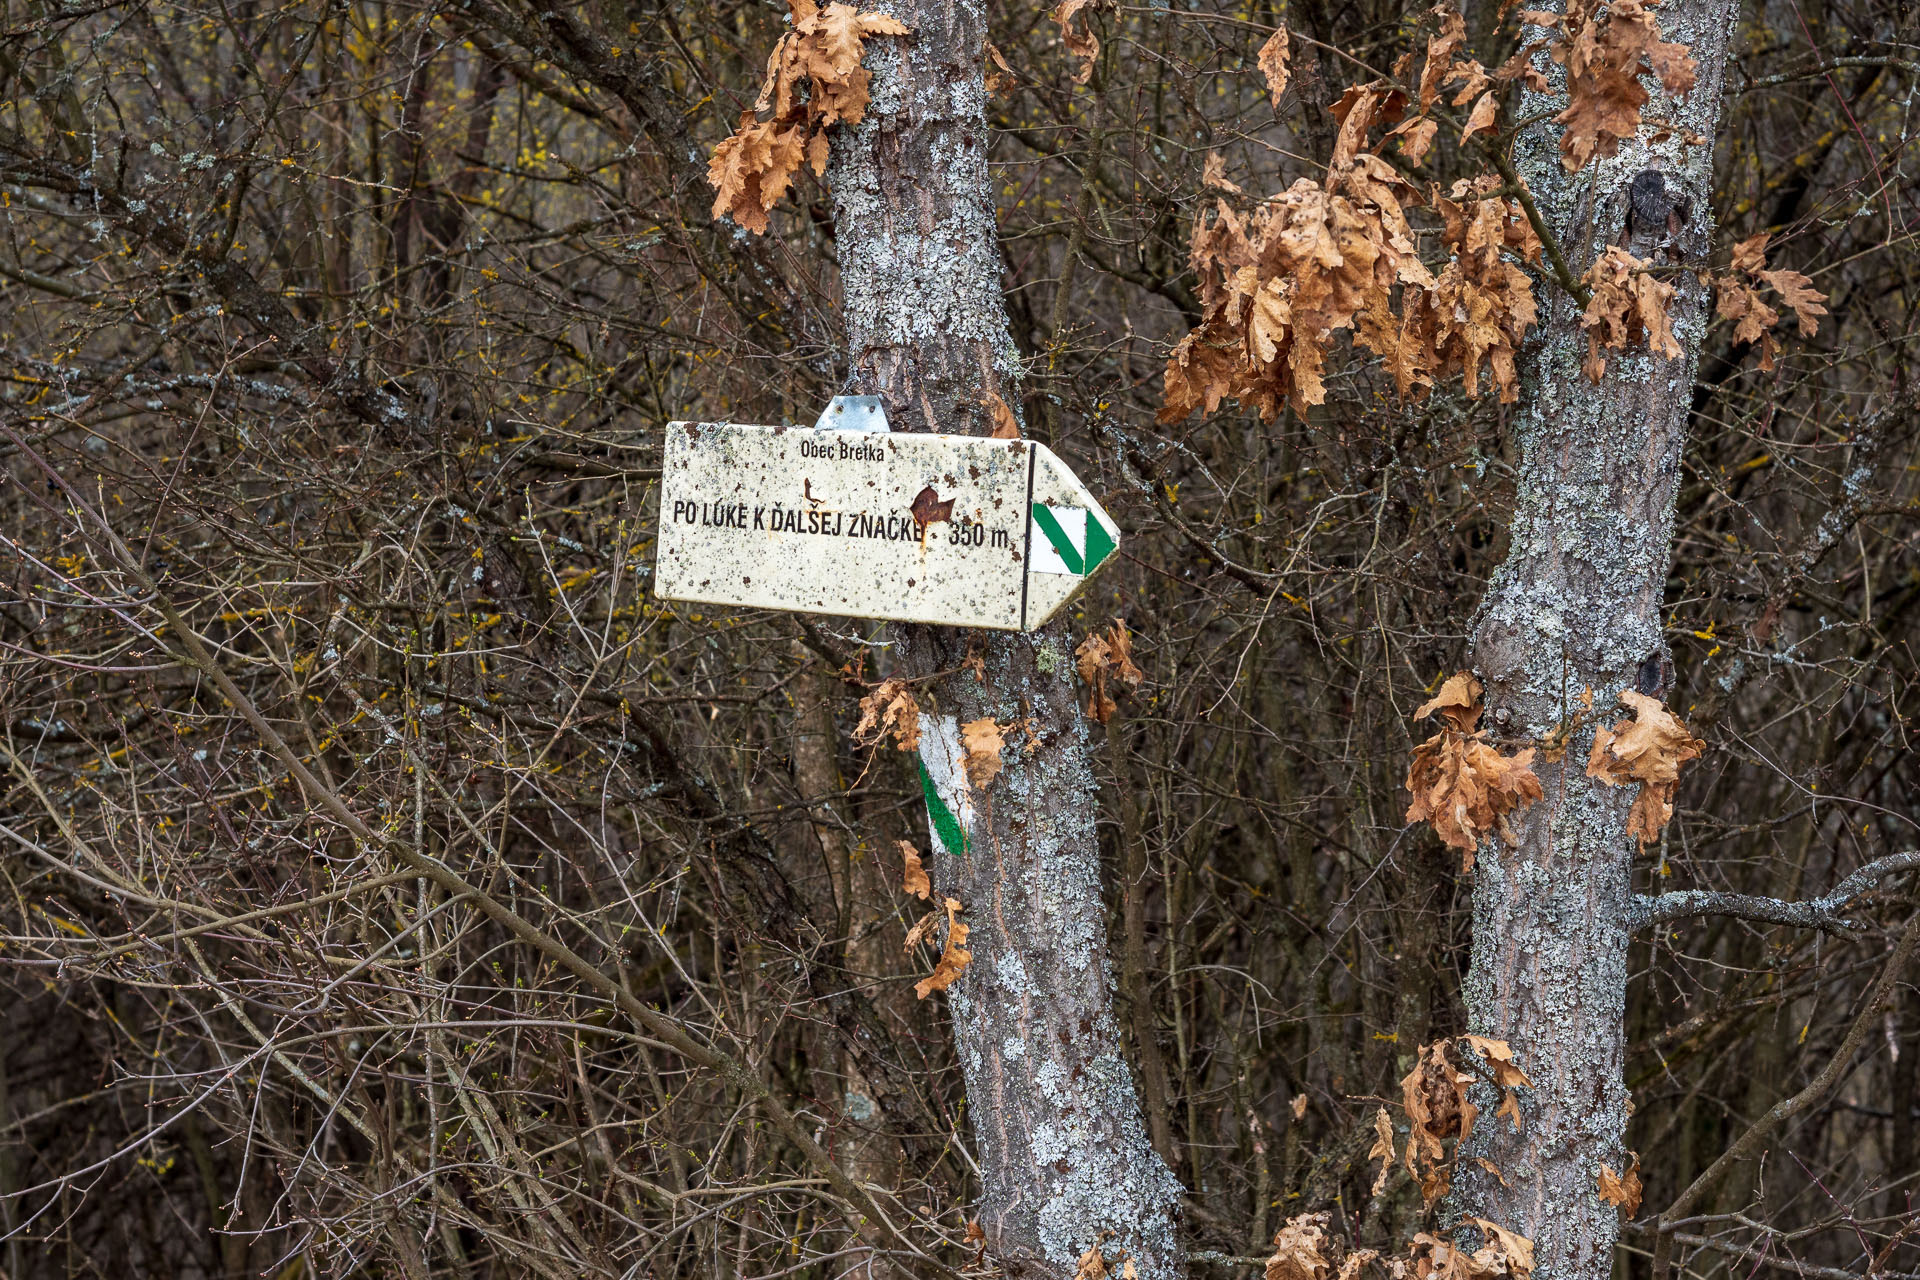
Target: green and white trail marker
point(857, 521)
point(943, 783)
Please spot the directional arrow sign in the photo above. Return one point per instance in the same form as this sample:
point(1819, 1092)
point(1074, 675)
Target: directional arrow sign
point(963, 531)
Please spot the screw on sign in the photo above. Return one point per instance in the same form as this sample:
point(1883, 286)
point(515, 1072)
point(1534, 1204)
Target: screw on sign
point(964, 531)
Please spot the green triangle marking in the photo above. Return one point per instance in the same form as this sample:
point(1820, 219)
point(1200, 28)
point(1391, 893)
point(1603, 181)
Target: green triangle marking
point(1069, 554)
point(939, 817)
point(1099, 542)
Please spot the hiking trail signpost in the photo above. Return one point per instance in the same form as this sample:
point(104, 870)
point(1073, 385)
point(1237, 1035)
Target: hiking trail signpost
point(852, 519)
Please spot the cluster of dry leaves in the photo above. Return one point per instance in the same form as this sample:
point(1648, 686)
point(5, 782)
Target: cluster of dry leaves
point(1481, 304)
point(1648, 749)
point(889, 708)
point(1465, 788)
point(1440, 1116)
point(1434, 1094)
point(1305, 1250)
point(1277, 284)
point(1627, 305)
point(1605, 51)
point(1105, 661)
point(954, 956)
point(1737, 298)
point(1446, 67)
point(814, 81)
point(1461, 783)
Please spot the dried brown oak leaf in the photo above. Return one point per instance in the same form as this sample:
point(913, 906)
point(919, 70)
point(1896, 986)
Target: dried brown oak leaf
point(1499, 1055)
point(1628, 306)
point(1507, 1075)
point(1415, 137)
point(914, 878)
point(1750, 255)
point(1213, 173)
point(1005, 425)
point(1481, 121)
point(1458, 702)
point(1080, 42)
point(1105, 659)
point(1272, 62)
point(983, 744)
point(751, 169)
point(1622, 1189)
point(1383, 1150)
point(1092, 1264)
point(1460, 783)
point(1606, 49)
point(1434, 1094)
point(1740, 302)
point(1299, 1249)
point(1798, 293)
point(1515, 1249)
point(1737, 298)
point(976, 1237)
point(889, 709)
point(954, 957)
point(1648, 749)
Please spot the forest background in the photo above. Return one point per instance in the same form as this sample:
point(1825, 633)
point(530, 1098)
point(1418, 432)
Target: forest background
point(339, 338)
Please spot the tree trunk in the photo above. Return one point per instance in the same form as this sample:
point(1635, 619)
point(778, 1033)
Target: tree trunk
point(870, 1154)
point(1057, 1129)
point(1577, 605)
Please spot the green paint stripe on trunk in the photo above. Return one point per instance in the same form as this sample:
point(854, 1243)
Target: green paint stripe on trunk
point(944, 824)
point(1069, 554)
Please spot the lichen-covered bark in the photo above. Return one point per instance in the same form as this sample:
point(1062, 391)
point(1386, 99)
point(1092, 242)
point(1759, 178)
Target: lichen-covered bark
point(1577, 605)
point(1057, 1129)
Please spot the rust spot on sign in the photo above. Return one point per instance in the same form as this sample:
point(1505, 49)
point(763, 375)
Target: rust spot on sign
point(928, 508)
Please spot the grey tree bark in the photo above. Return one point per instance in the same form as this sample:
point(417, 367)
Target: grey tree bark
point(1063, 1153)
point(1577, 605)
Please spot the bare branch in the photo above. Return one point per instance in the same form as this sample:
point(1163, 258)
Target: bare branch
point(1814, 913)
